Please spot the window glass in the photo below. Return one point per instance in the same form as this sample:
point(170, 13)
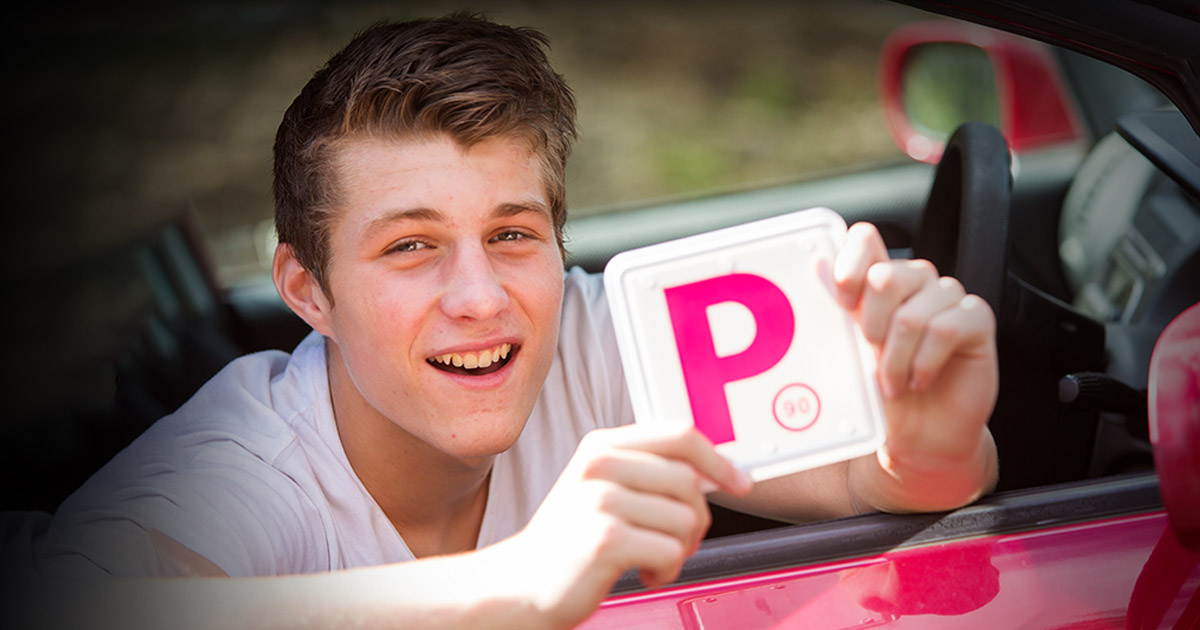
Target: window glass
point(173, 110)
point(946, 84)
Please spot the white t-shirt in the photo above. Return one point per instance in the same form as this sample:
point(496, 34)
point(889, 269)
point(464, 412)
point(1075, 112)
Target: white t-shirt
point(250, 472)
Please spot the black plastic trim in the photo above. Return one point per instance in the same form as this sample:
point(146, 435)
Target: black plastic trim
point(1165, 139)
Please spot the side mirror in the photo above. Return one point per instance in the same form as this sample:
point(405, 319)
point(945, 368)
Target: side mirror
point(934, 76)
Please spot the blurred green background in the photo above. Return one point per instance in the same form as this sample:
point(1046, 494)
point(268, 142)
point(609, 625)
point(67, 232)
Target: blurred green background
point(125, 115)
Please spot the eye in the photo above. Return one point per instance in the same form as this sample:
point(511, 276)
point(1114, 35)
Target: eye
point(408, 246)
point(509, 235)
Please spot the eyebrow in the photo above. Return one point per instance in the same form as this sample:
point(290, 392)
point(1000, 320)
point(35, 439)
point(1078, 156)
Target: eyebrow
point(513, 209)
point(501, 211)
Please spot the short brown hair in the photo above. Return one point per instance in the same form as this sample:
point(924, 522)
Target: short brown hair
point(462, 75)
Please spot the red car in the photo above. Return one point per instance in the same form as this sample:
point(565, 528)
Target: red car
point(1086, 263)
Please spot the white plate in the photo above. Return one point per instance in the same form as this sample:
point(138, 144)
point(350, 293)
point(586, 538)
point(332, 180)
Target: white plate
point(739, 332)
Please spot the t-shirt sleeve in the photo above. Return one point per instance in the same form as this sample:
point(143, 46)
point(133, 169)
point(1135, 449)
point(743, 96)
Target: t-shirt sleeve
point(204, 490)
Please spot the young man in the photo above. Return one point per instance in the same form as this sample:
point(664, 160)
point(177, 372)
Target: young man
point(453, 444)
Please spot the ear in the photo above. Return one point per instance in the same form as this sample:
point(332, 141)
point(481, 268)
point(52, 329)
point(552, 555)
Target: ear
point(300, 290)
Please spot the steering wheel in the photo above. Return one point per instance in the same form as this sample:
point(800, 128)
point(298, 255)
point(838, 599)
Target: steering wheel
point(964, 229)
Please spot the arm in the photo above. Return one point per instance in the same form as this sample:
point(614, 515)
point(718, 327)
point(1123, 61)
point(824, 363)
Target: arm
point(465, 590)
point(937, 373)
point(631, 497)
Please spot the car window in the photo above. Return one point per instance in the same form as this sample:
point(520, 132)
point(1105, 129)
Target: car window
point(164, 112)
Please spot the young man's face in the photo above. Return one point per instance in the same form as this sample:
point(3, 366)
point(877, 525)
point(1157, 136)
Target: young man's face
point(447, 281)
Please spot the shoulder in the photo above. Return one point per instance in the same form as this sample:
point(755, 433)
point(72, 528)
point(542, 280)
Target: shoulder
point(586, 379)
point(224, 475)
point(583, 288)
point(256, 400)
point(585, 314)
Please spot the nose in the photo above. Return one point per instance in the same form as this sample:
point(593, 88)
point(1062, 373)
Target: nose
point(473, 290)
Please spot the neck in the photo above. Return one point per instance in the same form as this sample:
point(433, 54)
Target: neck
point(434, 500)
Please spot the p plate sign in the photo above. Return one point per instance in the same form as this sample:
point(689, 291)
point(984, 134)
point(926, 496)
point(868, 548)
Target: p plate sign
point(739, 330)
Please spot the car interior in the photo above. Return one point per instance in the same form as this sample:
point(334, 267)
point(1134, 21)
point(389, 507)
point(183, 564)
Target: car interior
point(1086, 251)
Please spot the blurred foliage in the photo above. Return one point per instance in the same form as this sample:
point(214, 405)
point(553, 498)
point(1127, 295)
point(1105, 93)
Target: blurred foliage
point(948, 84)
point(133, 113)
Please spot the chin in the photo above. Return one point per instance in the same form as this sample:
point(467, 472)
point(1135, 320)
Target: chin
point(481, 438)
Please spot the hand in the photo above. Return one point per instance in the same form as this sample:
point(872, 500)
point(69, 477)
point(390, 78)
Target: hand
point(937, 372)
point(630, 497)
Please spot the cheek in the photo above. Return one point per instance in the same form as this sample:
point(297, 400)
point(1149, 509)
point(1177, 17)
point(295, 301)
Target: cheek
point(542, 293)
point(385, 316)
point(546, 316)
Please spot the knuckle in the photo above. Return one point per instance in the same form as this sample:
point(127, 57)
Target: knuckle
point(951, 284)
point(921, 371)
point(861, 228)
point(978, 307)
point(675, 552)
point(681, 474)
point(881, 277)
point(605, 498)
point(923, 267)
point(597, 466)
point(861, 232)
point(689, 519)
point(907, 322)
point(890, 364)
point(894, 377)
point(610, 533)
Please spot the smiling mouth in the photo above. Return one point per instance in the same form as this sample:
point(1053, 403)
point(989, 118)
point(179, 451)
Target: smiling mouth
point(475, 363)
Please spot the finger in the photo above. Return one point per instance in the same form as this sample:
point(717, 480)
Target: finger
point(964, 328)
point(863, 247)
point(907, 332)
point(680, 442)
point(653, 511)
point(653, 474)
point(889, 285)
point(647, 472)
point(659, 557)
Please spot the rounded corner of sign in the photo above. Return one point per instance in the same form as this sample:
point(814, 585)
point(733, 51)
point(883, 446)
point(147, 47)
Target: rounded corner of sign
point(615, 270)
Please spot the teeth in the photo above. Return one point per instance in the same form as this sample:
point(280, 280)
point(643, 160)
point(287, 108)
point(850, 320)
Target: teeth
point(473, 360)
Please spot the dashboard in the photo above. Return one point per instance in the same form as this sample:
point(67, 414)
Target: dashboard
point(1130, 228)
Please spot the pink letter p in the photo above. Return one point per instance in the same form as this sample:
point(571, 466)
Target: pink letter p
point(704, 373)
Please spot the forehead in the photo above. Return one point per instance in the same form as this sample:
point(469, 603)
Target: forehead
point(375, 176)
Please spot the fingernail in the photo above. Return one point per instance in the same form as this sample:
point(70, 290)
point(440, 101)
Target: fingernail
point(707, 486)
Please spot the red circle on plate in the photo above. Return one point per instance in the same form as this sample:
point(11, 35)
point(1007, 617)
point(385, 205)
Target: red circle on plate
point(796, 407)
